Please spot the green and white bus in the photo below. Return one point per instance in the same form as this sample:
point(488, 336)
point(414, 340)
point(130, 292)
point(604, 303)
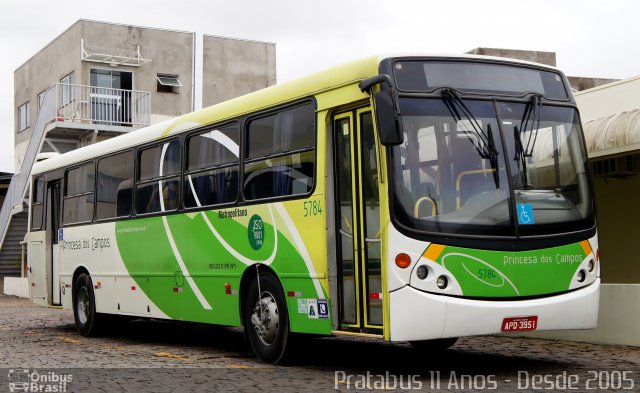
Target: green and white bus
point(410, 198)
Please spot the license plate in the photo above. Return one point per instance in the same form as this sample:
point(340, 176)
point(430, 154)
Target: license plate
point(520, 324)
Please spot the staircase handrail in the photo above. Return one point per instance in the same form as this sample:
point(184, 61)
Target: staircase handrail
point(20, 181)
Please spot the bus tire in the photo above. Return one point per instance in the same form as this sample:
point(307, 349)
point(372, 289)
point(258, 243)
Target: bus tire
point(267, 320)
point(84, 306)
point(436, 345)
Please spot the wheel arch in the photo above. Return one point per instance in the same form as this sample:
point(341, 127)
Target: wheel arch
point(247, 278)
point(79, 270)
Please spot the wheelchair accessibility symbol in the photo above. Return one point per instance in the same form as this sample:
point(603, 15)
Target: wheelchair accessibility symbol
point(525, 213)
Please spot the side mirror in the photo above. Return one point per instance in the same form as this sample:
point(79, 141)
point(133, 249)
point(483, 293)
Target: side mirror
point(389, 123)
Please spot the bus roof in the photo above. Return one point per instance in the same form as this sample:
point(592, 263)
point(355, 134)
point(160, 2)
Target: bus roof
point(340, 75)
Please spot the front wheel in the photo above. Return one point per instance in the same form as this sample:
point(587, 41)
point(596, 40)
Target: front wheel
point(84, 306)
point(266, 319)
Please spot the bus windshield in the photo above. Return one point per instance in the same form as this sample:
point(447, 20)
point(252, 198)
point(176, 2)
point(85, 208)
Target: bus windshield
point(445, 181)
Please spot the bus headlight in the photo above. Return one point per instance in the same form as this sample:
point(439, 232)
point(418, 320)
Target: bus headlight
point(581, 275)
point(422, 272)
point(591, 265)
point(442, 282)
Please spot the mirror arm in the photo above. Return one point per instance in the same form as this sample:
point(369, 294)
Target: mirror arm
point(386, 102)
point(386, 84)
point(366, 84)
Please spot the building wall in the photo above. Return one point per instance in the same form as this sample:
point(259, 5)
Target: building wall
point(617, 230)
point(231, 68)
point(170, 52)
point(609, 99)
point(579, 83)
point(91, 138)
point(234, 67)
point(548, 58)
point(48, 66)
point(618, 319)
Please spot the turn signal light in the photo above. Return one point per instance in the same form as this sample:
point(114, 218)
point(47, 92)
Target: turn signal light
point(403, 261)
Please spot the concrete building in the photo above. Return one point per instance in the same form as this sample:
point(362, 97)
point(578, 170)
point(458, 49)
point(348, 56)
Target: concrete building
point(253, 68)
point(542, 57)
point(108, 79)
point(98, 80)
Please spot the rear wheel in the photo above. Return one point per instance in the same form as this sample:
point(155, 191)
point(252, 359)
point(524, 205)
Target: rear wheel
point(436, 345)
point(266, 319)
point(84, 306)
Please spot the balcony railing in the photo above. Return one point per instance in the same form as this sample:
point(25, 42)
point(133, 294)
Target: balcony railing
point(100, 105)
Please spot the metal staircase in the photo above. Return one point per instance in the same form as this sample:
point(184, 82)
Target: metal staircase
point(12, 248)
point(13, 215)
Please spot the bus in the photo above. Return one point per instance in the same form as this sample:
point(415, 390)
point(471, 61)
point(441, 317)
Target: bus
point(408, 198)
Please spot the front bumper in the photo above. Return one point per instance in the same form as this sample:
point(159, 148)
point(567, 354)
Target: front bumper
point(417, 315)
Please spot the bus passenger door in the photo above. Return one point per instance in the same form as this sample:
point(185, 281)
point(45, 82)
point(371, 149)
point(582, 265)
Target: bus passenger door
point(37, 261)
point(357, 222)
point(53, 226)
point(37, 269)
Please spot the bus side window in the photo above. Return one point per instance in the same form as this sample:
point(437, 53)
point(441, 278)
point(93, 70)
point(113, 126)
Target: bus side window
point(37, 204)
point(158, 178)
point(124, 198)
point(115, 176)
point(77, 205)
point(211, 176)
point(280, 154)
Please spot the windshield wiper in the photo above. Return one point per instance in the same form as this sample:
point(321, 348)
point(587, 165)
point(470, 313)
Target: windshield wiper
point(519, 156)
point(483, 143)
point(531, 115)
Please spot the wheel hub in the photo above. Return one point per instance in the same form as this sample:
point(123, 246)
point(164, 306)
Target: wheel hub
point(83, 305)
point(265, 318)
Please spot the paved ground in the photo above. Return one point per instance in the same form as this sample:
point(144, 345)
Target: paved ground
point(159, 356)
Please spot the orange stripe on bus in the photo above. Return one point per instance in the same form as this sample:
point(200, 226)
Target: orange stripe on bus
point(586, 247)
point(433, 251)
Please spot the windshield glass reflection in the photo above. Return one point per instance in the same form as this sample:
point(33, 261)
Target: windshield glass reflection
point(450, 174)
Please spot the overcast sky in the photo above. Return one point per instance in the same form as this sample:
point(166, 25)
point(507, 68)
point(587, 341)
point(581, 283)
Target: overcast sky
point(591, 38)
